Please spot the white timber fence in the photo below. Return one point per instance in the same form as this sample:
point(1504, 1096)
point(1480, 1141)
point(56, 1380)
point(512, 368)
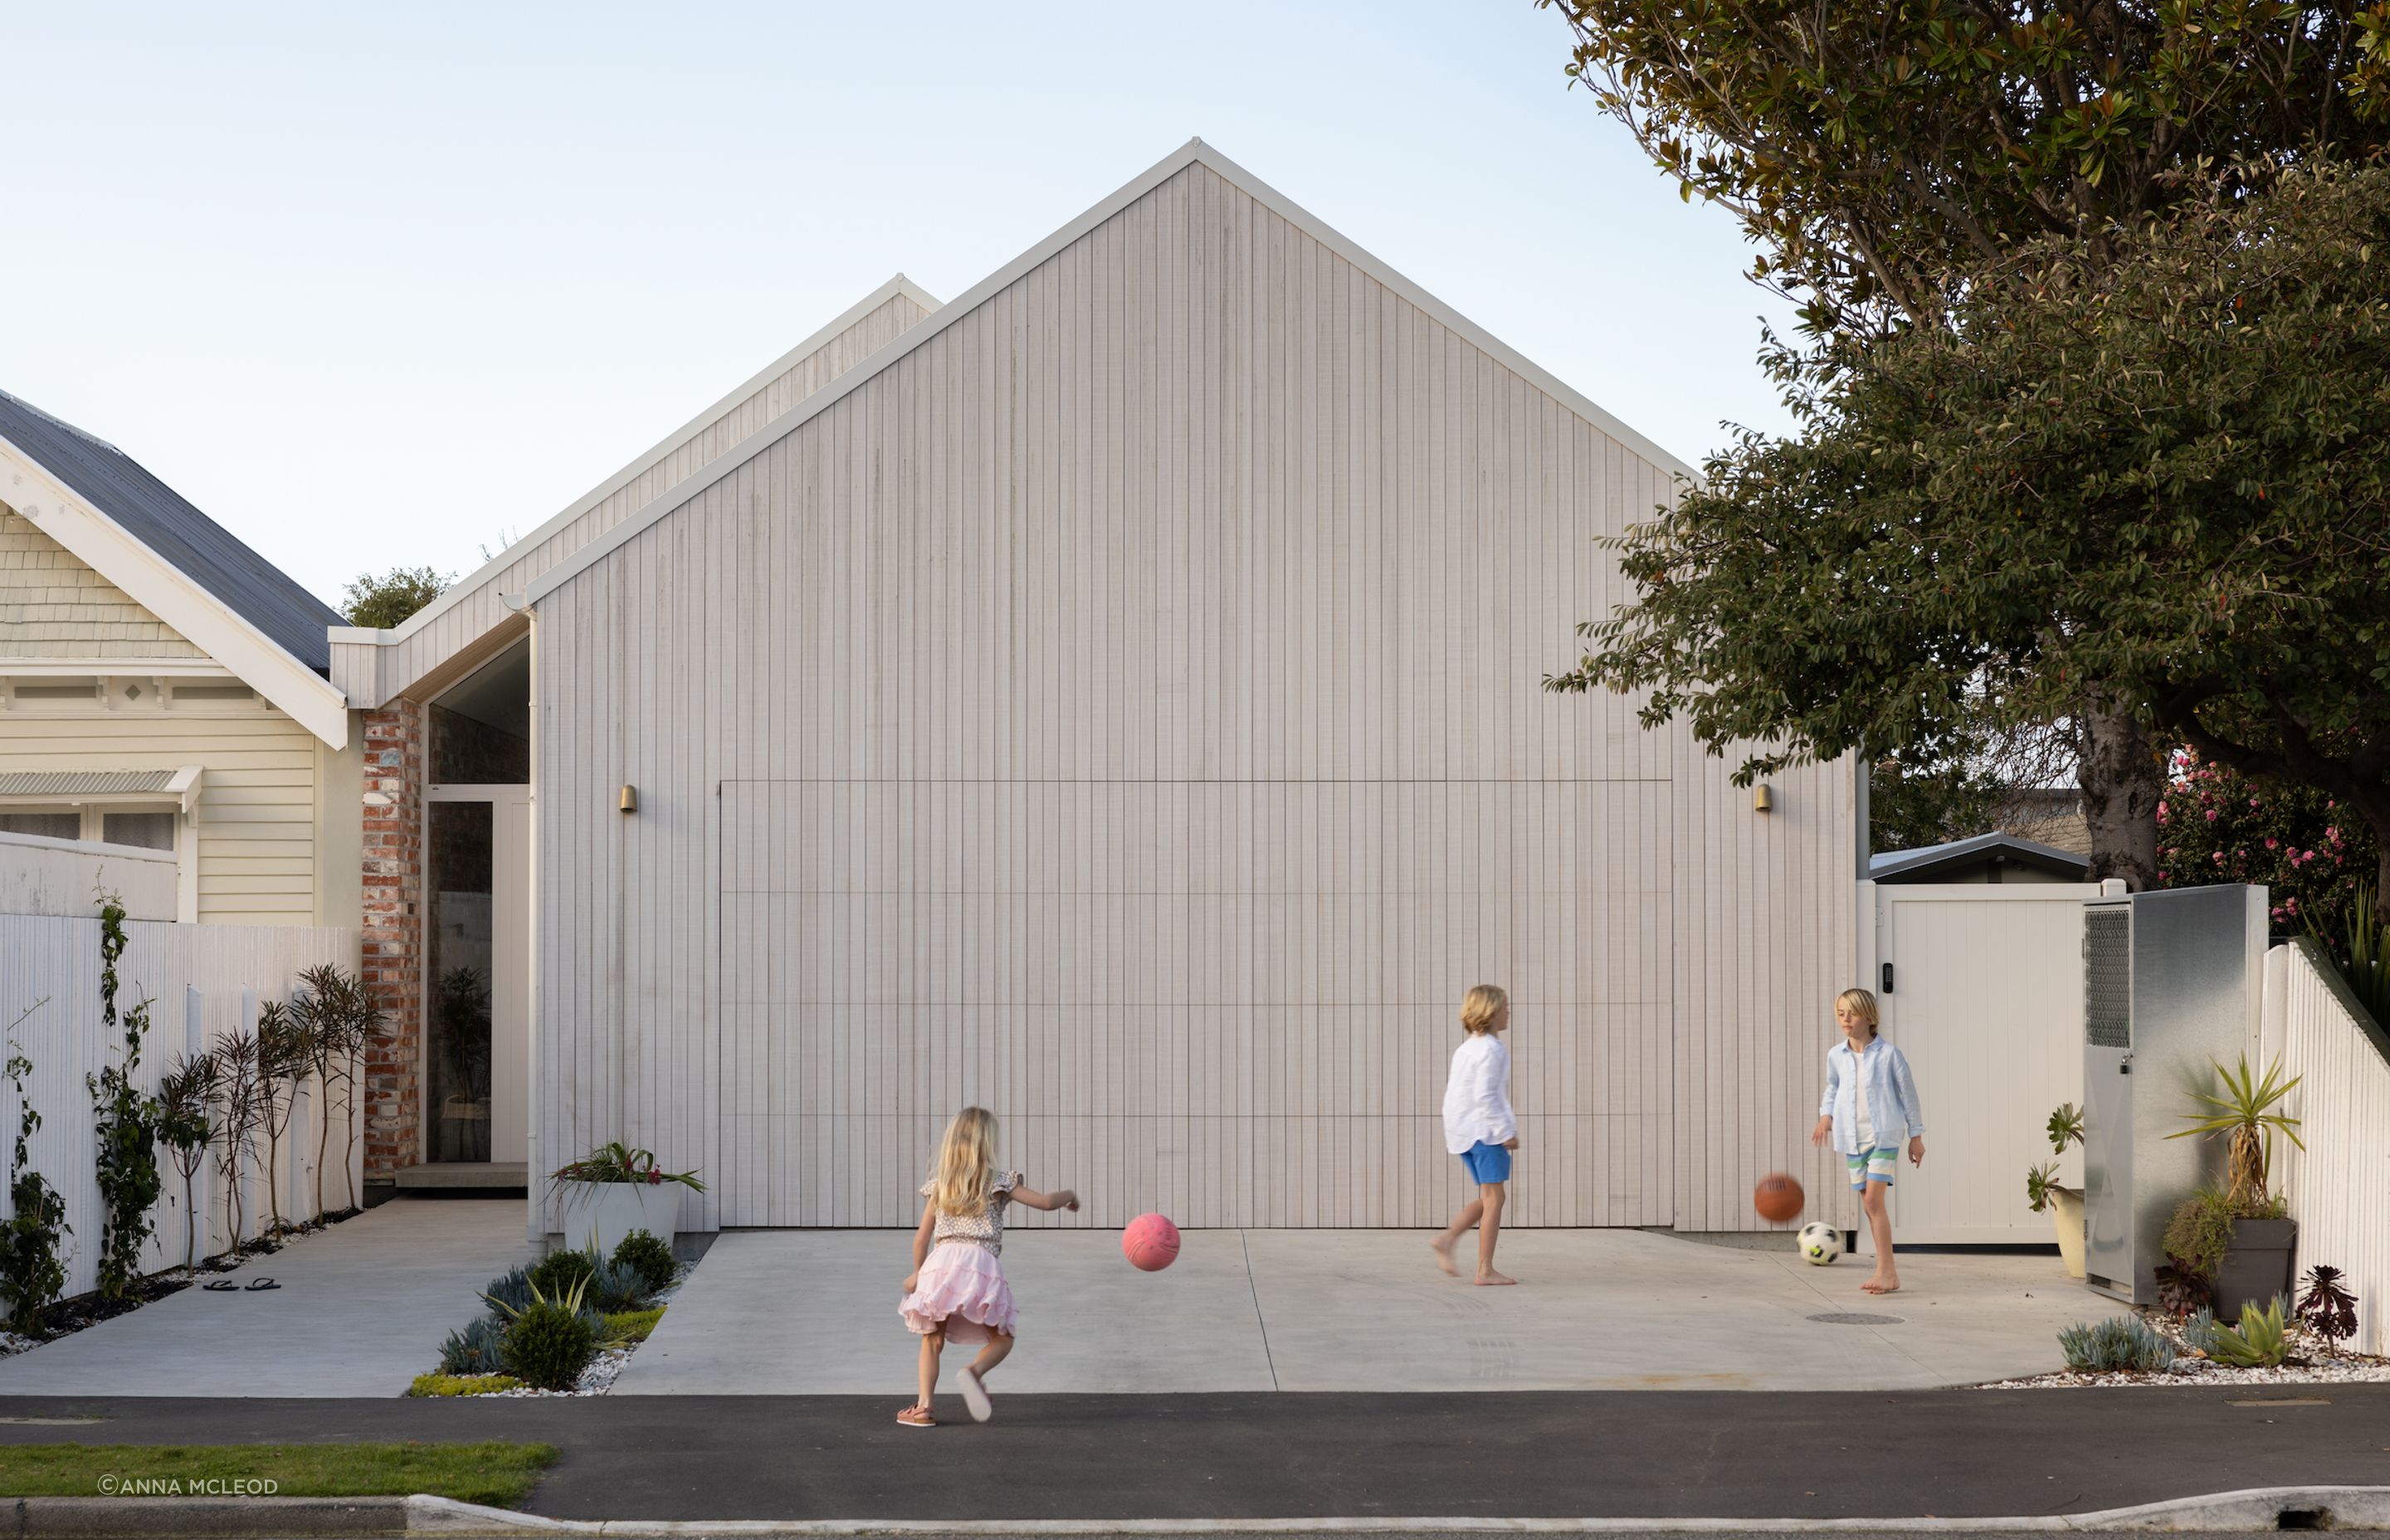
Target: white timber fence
point(2339, 1186)
point(202, 983)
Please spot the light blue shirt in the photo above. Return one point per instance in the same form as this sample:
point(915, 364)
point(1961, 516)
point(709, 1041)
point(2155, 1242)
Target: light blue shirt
point(1891, 1101)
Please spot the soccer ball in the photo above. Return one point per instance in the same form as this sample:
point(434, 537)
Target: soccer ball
point(1820, 1244)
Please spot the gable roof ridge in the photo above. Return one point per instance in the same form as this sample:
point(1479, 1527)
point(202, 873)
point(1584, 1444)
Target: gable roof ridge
point(56, 421)
point(1194, 151)
point(457, 592)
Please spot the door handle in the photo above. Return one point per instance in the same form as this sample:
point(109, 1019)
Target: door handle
point(1887, 978)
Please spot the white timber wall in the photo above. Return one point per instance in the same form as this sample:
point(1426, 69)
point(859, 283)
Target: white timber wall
point(460, 620)
point(65, 877)
point(2339, 1186)
point(200, 981)
point(1123, 709)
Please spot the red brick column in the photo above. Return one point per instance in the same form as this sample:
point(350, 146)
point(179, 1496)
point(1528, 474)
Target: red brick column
point(392, 934)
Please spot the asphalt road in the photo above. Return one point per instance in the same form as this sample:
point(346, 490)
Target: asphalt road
point(1626, 1454)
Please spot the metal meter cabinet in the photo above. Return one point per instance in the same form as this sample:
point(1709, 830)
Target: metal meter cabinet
point(2172, 985)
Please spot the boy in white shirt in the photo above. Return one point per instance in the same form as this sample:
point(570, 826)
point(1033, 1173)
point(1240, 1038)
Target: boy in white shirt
point(1480, 1127)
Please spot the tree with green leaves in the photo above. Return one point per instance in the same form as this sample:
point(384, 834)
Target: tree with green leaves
point(2146, 475)
point(1874, 153)
point(382, 600)
point(1878, 157)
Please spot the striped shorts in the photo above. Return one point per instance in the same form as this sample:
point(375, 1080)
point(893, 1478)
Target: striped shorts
point(1874, 1166)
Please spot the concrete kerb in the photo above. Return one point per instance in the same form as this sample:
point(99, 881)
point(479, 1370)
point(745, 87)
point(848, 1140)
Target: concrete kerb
point(2342, 1507)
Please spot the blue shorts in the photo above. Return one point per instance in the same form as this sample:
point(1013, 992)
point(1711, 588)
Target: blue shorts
point(1486, 1162)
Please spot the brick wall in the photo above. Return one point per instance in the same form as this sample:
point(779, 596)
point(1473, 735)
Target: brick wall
point(392, 933)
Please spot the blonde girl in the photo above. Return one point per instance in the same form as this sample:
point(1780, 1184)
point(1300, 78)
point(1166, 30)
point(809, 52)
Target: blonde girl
point(956, 1291)
point(1480, 1127)
point(1869, 1107)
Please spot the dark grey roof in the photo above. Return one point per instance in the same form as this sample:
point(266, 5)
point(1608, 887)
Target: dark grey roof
point(1959, 853)
point(156, 515)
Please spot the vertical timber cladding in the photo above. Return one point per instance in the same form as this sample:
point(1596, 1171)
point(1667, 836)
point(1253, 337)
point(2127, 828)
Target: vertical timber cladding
point(1229, 1000)
point(1124, 708)
point(1186, 608)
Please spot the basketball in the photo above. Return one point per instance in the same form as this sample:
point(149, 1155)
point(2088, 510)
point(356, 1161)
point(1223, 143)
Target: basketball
point(1151, 1242)
point(1777, 1197)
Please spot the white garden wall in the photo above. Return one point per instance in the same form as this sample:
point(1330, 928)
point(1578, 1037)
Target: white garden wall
point(202, 982)
point(65, 877)
point(2339, 1186)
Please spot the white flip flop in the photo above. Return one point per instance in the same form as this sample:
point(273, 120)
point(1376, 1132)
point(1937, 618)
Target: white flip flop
point(975, 1399)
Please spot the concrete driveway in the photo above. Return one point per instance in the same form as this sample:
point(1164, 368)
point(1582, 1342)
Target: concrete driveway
point(362, 1311)
point(793, 1312)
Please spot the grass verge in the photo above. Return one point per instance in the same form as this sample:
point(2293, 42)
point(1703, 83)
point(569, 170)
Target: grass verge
point(494, 1473)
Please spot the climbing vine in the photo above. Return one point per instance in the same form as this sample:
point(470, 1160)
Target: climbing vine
point(127, 1119)
point(32, 1272)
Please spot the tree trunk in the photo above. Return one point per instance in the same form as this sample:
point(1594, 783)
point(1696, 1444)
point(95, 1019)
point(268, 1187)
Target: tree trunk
point(2122, 775)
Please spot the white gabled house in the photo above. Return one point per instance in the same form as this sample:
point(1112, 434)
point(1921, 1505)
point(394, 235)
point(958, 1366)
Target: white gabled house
point(1117, 701)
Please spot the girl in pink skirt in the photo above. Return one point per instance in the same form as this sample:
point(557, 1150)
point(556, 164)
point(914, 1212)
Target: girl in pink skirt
point(956, 1291)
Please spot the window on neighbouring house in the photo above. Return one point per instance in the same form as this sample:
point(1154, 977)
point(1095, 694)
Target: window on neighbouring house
point(53, 826)
point(149, 830)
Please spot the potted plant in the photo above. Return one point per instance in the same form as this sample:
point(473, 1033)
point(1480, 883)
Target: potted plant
point(2252, 1263)
point(615, 1189)
point(2063, 1204)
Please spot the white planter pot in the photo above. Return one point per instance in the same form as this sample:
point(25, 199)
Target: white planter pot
point(601, 1213)
point(2067, 1217)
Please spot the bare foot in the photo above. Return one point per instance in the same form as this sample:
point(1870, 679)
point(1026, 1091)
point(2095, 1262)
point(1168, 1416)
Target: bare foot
point(1441, 1246)
point(1487, 1280)
point(1881, 1285)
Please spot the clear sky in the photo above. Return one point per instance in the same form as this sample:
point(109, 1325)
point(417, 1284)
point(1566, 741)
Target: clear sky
point(384, 285)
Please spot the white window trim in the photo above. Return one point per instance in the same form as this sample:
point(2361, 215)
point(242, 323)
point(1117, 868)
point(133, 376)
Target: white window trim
point(180, 796)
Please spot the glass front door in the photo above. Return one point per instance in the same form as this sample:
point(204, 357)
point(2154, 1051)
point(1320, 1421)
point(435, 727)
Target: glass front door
point(463, 936)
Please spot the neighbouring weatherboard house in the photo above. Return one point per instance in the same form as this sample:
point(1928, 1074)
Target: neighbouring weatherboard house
point(162, 685)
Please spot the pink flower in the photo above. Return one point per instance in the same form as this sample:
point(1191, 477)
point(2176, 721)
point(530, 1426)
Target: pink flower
point(655, 1178)
point(2211, 814)
point(2253, 801)
point(2308, 856)
point(2270, 841)
point(2331, 833)
point(2219, 858)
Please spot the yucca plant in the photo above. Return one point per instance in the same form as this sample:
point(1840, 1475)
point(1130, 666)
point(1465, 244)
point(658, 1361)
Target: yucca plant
point(2246, 1112)
point(2260, 1341)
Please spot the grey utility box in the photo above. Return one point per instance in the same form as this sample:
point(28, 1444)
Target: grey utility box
point(2172, 985)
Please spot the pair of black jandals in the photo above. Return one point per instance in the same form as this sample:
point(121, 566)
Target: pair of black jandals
point(226, 1285)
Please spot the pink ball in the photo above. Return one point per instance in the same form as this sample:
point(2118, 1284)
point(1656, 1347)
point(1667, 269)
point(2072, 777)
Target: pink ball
point(1151, 1242)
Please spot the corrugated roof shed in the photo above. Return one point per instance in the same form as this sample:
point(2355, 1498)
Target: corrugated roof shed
point(158, 517)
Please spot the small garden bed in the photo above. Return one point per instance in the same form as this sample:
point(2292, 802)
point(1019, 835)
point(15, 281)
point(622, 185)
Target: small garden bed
point(565, 1325)
point(2311, 1361)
